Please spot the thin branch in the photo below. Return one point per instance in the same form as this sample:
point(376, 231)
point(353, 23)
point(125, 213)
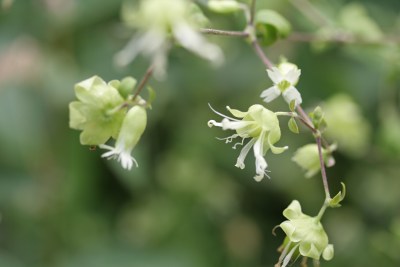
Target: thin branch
point(343, 38)
point(144, 80)
point(323, 171)
point(252, 12)
point(261, 54)
point(224, 33)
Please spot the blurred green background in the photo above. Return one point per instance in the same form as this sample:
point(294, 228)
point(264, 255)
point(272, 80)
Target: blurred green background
point(61, 205)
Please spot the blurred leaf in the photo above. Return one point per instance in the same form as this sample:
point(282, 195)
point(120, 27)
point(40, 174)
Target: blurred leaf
point(271, 26)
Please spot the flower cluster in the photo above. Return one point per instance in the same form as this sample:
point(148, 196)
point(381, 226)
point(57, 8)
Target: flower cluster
point(258, 124)
point(161, 21)
point(304, 235)
point(102, 113)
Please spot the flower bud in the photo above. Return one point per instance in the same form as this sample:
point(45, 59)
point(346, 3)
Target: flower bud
point(132, 129)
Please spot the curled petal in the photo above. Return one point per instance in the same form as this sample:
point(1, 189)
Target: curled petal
point(291, 94)
point(237, 113)
point(243, 153)
point(293, 211)
point(261, 163)
point(328, 252)
point(270, 93)
point(275, 149)
point(308, 249)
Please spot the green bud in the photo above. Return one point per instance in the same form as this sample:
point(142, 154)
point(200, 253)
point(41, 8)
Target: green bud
point(126, 86)
point(224, 6)
point(132, 129)
point(98, 113)
point(307, 157)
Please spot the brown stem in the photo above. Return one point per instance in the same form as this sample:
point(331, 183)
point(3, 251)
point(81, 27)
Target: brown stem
point(261, 54)
point(252, 12)
point(323, 171)
point(224, 33)
point(144, 80)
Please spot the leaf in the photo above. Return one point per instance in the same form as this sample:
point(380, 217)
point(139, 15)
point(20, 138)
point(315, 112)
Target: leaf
point(293, 126)
point(292, 105)
point(335, 201)
point(152, 95)
point(271, 26)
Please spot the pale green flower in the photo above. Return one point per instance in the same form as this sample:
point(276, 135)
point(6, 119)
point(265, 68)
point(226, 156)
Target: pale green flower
point(305, 235)
point(347, 126)
point(158, 23)
point(98, 113)
point(258, 124)
point(132, 129)
point(307, 157)
point(284, 77)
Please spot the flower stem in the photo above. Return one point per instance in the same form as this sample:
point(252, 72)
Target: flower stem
point(224, 33)
point(261, 54)
point(252, 12)
point(143, 82)
point(322, 163)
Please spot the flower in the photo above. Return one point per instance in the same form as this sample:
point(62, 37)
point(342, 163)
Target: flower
point(132, 129)
point(261, 126)
point(307, 157)
point(98, 113)
point(305, 235)
point(158, 21)
point(285, 77)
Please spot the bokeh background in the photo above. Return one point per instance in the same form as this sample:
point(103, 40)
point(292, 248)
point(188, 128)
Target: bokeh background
point(61, 205)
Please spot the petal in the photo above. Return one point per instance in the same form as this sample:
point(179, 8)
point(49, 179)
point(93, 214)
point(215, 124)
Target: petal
point(195, 42)
point(293, 76)
point(275, 75)
point(270, 93)
point(289, 256)
point(237, 113)
point(243, 153)
point(292, 94)
point(275, 149)
point(261, 163)
point(293, 211)
point(289, 229)
point(309, 250)
point(328, 252)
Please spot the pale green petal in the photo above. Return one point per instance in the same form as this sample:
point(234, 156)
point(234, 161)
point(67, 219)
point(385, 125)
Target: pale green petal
point(328, 252)
point(289, 229)
point(293, 211)
point(275, 149)
point(309, 250)
point(77, 120)
point(237, 113)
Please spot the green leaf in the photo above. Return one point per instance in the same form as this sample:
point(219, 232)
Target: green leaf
point(292, 105)
point(271, 26)
point(293, 126)
point(152, 95)
point(335, 201)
